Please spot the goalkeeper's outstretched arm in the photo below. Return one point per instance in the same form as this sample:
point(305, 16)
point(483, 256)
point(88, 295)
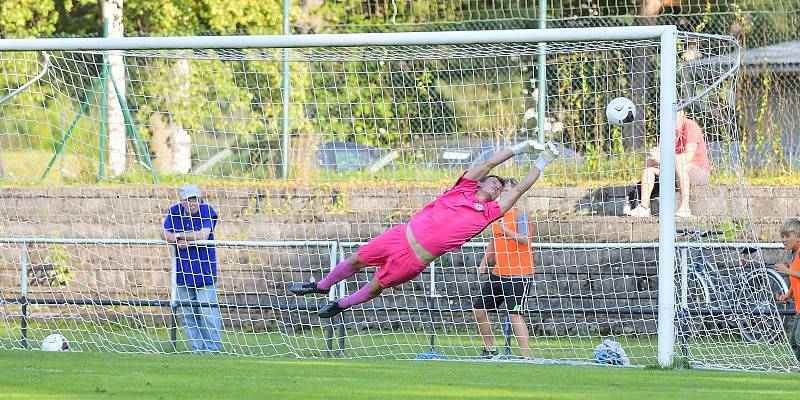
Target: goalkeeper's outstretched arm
point(479, 172)
point(512, 195)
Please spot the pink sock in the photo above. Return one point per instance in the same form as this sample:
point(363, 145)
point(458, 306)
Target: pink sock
point(341, 272)
point(363, 295)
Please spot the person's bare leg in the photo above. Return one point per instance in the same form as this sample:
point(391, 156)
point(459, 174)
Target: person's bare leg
point(521, 332)
point(649, 174)
point(482, 318)
point(684, 184)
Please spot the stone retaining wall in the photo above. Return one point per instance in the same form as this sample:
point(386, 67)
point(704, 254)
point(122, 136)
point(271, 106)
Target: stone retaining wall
point(565, 278)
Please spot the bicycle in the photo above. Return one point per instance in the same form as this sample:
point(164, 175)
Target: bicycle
point(745, 296)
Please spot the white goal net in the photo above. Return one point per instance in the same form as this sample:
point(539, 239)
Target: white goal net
point(95, 145)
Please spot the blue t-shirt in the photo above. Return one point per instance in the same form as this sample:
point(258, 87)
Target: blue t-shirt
point(197, 265)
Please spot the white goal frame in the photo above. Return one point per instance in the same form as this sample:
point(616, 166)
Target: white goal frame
point(667, 34)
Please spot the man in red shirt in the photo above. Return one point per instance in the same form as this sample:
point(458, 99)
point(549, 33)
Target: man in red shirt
point(691, 167)
point(445, 224)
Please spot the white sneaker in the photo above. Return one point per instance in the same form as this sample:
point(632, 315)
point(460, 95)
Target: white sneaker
point(683, 212)
point(640, 212)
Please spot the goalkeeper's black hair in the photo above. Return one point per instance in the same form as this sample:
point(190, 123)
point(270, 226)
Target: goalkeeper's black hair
point(502, 180)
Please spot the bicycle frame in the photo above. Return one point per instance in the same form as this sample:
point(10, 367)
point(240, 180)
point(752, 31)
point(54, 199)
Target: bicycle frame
point(740, 297)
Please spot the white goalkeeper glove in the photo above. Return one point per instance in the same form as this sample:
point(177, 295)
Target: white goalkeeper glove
point(548, 154)
point(528, 146)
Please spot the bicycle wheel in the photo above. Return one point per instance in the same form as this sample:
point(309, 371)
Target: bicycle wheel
point(760, 322)
point(720, 317)
point(693, 302)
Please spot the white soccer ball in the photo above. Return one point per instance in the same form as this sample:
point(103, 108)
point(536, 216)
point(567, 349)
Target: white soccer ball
point(55, 342)
point(621, 111)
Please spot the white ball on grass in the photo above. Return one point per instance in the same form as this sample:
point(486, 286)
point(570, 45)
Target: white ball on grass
point(55, 342)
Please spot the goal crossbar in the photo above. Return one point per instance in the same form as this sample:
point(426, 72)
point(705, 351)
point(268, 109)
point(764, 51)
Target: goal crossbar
point(342, 40)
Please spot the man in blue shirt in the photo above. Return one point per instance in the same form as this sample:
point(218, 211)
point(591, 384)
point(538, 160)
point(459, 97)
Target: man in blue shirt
point(186, 222)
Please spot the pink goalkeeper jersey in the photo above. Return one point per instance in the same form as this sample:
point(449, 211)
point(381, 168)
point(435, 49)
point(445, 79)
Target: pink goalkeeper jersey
point(453, 218)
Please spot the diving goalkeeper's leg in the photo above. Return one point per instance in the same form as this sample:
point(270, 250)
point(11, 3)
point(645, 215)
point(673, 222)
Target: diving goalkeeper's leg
point(368, 292)
point(342, 271)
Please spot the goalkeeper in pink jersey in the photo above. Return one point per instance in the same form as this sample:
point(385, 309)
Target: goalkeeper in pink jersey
point(445, 224)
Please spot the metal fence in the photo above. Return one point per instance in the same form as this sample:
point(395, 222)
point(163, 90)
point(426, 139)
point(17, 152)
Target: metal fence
point(436, 284)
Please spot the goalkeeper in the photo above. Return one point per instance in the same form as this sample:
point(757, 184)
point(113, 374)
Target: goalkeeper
point(445, 224)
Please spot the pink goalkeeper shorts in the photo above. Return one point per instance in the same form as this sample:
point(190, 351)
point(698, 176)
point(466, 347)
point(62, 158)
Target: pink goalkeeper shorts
point(390, 251)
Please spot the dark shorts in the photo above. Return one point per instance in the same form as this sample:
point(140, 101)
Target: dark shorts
point(496, 290)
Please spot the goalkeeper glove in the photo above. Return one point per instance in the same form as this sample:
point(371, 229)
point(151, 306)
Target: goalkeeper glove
point(548, 154)
point(528, 146)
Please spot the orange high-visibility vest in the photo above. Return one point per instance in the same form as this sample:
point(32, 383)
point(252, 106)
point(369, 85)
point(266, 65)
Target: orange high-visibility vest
point(794, 282)
point(511, 258)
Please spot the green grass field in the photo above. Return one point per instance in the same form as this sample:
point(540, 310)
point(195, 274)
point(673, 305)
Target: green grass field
point(38, 375)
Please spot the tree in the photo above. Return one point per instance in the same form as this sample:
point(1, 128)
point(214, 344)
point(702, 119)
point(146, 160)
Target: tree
point(27, 18)
point(115, 91)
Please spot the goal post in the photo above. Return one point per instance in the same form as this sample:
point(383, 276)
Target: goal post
point(666, 218)
point(381, 125)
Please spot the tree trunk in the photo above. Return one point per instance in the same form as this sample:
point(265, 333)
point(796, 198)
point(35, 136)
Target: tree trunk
point(170, 143)
point(117, 143)
point(302, 155)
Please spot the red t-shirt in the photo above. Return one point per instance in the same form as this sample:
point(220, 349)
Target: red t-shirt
point(453, 218)
point(691, 133)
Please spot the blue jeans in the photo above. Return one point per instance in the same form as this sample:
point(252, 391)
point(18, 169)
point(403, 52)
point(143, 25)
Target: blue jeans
point(201, 324)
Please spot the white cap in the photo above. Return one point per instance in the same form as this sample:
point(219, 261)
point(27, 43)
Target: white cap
point(189, 191)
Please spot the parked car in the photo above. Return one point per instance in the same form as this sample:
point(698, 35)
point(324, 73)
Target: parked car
point(347, 156)
point(465, 156)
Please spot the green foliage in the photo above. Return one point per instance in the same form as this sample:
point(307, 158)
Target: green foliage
point(352, 15)
point(212, 16)
point(405, 15)
point(207, 96)
point(61, 272)
point(28, 18)
point(353, 99)
point(23, 112)
point(765, 139)
point(236, 106)
point(482, 110)
point(731, 229)
point(361, 101)
point(576, 90)
point(599, 168)
point(762, 111)
point(376, 102)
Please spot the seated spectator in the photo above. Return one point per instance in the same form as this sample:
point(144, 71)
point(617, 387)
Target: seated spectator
point(691, 168)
